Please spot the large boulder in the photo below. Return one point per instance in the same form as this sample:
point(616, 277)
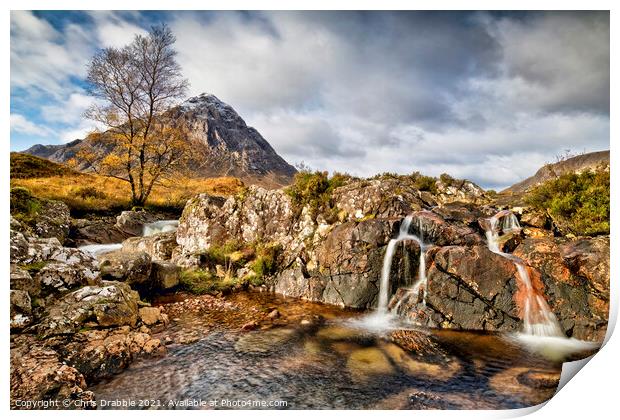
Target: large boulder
point(432, 228)
point(468, 288)
point(345, 267)
point(44, 218)
point(576, 277)
point(98, 231)
point(112, 304)
point(159, 246)
point(132, 222)
point(22, 280)
point(133, 268)
point(165, 275)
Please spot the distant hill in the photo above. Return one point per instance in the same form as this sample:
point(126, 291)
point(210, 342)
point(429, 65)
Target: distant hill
point(221, 140)
point(25, 166)
point(577, 164)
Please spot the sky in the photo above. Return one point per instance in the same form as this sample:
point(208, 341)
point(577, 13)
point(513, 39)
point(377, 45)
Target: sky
point(489, 97)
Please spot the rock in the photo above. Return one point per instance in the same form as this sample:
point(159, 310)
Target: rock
point(21, 309)
point(536, 219)
point(134, 268)
point(252, 325)
point(263, 342)
point(132, 222)
point(576, 276)
point(165, 275)
point(53, 220)
point(273, 314)
point(59, 277)
point(367, 363)
point(112, 304)
point(199, 224)
point(37, 374)
point(432, 228)
point(151, 316)
point(100, 354)
point(22, 280)
point(159, 246)
point(377, 198)
point(468, 288)
point(99, 231)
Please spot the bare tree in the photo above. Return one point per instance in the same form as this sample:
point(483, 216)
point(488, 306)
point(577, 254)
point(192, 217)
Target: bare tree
point(135, 86)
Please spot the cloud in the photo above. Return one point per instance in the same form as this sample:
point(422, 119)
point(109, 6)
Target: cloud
point(21, 124)
point(486, 96)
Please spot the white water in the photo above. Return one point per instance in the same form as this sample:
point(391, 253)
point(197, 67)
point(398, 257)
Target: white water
point(98, 249)
point(538, 319)
point(159, 227)
point(148, 230)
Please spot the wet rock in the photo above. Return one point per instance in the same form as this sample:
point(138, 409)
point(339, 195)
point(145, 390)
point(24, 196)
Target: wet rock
point(151, 316)
point(98, 231)
point(112, 304)
point(264, 341)
point(468, 288)
point(159, 246)
point(432, 228)
point(100, 354)
point(576, 276)
point(367, 363)
point(273, 314)
point(133, 268)
point(249, 326)
point(38, 374)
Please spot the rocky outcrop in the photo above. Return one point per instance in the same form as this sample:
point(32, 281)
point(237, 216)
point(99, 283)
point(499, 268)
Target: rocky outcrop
point(111, 304)
point(333, 250)
point(132, 222)
point(576, 277)
point(98, 231)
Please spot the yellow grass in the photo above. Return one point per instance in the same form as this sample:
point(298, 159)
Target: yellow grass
point(95, 193)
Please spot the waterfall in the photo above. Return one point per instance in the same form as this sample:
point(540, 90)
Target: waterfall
point(159, 227)
point(538, 319)
point(384, 289)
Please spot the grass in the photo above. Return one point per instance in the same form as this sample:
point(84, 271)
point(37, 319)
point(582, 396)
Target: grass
point(24, 206)
point(578, 203)
point(90, 193)
point(28, 166)
point(200, 282)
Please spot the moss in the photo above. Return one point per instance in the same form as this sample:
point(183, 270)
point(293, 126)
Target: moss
point(200, 282)
point(34, 267)
point(578, 203)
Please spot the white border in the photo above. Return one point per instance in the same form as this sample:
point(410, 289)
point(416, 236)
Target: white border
point(592, 394)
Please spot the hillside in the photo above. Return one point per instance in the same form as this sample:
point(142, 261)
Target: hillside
point(223, 145)
point(553, 170)
point(30, 166)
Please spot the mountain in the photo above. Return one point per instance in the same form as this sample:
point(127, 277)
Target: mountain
point(577, 164)
point(222, 143)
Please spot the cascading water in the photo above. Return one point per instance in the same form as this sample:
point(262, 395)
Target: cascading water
point(403, 235)
point(538, 319)
point(160, 226)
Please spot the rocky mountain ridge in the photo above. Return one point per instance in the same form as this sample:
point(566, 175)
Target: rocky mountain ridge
point(222, 145)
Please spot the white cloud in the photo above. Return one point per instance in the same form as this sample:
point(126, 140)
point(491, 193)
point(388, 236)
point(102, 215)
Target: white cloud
point(21, 124)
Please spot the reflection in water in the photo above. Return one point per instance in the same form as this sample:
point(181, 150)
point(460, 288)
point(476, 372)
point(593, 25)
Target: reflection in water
point(312, 356)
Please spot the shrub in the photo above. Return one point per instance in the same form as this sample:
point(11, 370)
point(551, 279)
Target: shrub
point(578, 203)
point(314, 189)
point(89, 192)
point(424, 183)
point(24, 206)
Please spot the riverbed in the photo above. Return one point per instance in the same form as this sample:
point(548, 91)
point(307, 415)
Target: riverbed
point(259, 350)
